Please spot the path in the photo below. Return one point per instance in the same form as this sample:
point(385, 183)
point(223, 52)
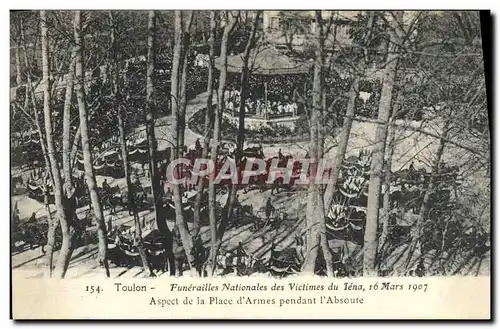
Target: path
point(164, 131)
point(410, 146)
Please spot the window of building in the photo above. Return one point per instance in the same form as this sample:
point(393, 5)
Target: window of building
point(275, 23)
point(292, 25)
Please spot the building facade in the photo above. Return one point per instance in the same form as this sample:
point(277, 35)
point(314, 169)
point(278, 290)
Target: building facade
point(297, 28)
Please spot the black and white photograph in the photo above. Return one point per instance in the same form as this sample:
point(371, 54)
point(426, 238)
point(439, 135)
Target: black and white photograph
point(167, 144)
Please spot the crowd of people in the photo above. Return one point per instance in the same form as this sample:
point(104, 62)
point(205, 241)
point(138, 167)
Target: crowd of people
point(259, 107)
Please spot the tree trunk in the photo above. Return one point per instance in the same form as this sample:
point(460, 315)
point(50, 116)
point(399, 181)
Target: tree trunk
point(74, 148)
point(181, 117)
point(216, 135)
point(153, 146)
point(313, 221)
point(347, 124)
point(180, 88)
point(174, 79)
point(66, 248)
point(343, 142)
point(123, 143)
point(313, 229)
point(70, 203)
point(325, 248)
point(19, 78)
point(244, 88)
point(175, 97)
point(327, 253)
point(424, 209)
point(51, 235)
point(87, 155)
point(321, 128)
point(389, 152)
point(386, 207)
point(30, 94)
point(375, 183)
point(209, 120)
point(181, 126)
point(241, 128)
point(66, 127)
point(150, 125)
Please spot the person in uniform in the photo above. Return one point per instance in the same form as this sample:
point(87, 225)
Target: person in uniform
point(106, 187)
point(412, 167)
point(131, 201)
point(269, 208)
point(15, 218)
point(198, 147)
point(163, 170)
point(137, 185)
point(412, 172)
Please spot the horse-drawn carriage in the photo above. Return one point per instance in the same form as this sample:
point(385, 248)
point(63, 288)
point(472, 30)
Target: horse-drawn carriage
point(272, 217)
point(108, 163)
point(161, 252)
point(411, 176)
point(39, 191)
point(33, 233)
point(238, 261)
point(123, 248)
point(17, 185)
point(114, 197)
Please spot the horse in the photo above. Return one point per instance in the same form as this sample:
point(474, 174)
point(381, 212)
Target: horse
point(109, 198)
point(134, 202)
point(410, 199)
point(237, 261)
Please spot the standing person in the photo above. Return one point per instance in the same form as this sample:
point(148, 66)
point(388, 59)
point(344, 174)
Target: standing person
point(15, 218)
point(132, 196)
point(163, 170)
point(106, 187)
point(261, 152)
point(131, 201)
point(137, 186)
point(32, 218)
point(412, 171)
point(198, 148)
point(412, 167)
point(237, 210)
point(269, 208)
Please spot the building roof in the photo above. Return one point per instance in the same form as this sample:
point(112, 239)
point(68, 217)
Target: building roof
point(266, 60)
